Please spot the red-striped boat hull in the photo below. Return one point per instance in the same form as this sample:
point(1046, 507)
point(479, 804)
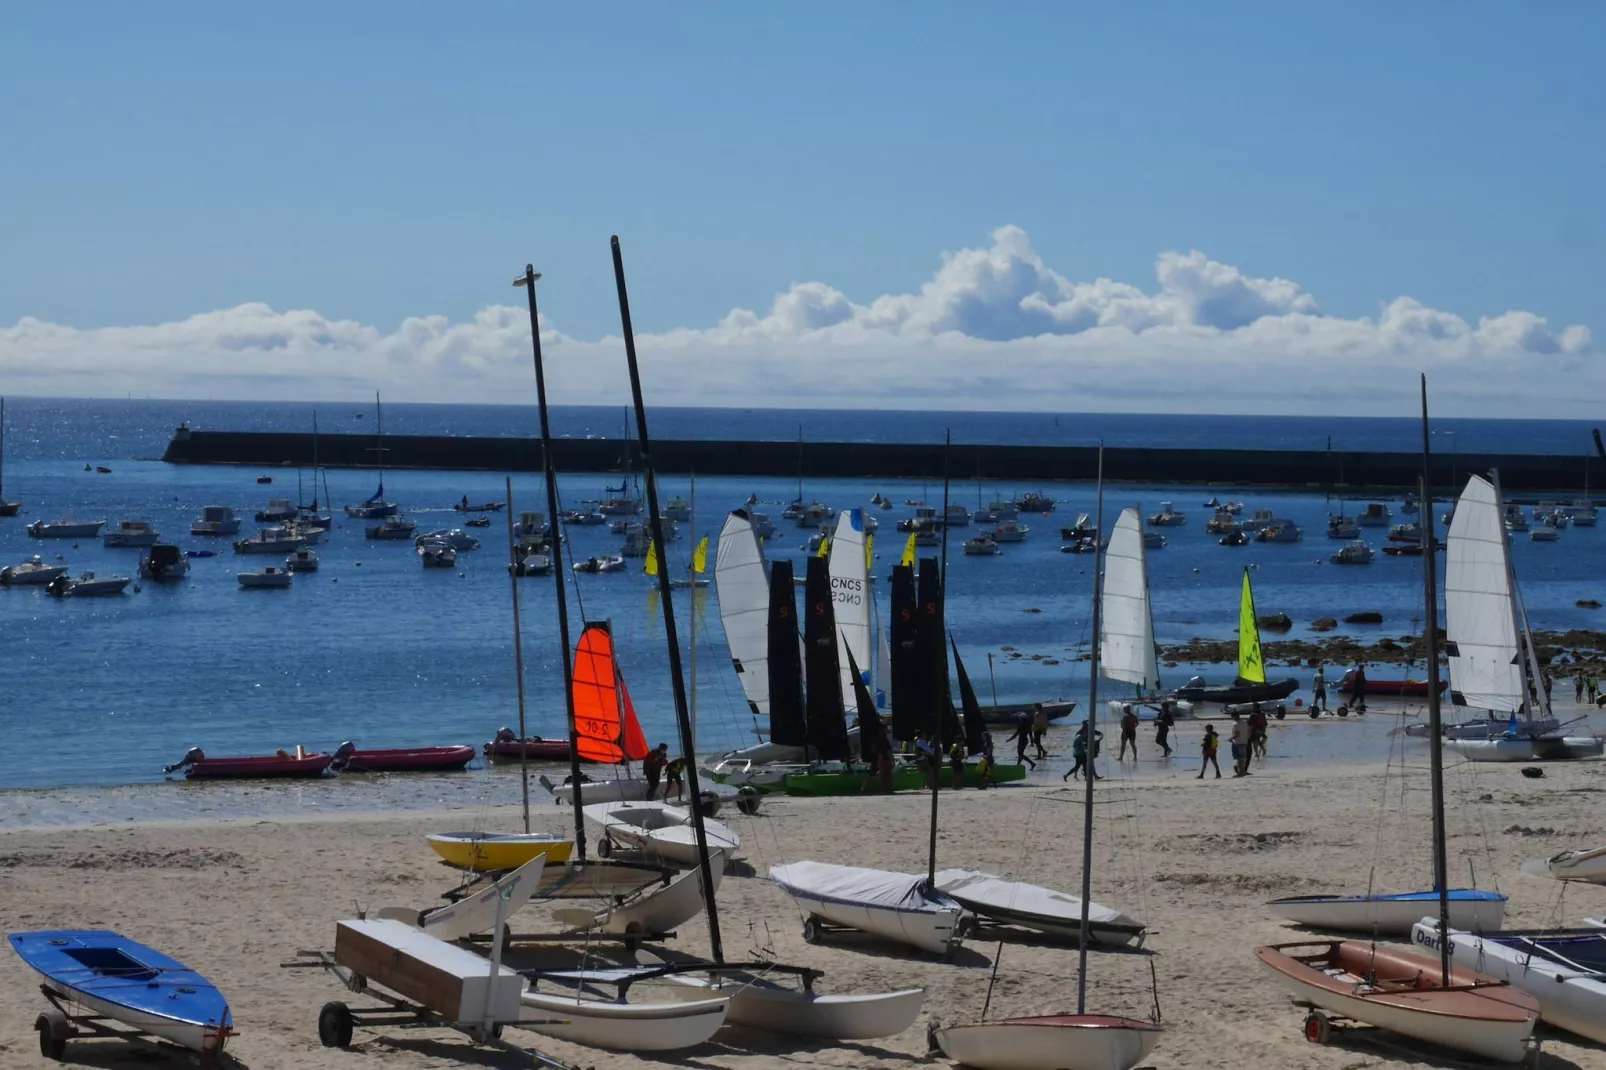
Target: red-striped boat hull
point(534, 750)
point(310, 765)
point(409, 760)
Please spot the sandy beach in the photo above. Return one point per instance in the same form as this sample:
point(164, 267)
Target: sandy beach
point(1194, 859)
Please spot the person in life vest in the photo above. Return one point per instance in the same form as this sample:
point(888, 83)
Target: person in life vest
point(1209, 747)
point(1129, 732)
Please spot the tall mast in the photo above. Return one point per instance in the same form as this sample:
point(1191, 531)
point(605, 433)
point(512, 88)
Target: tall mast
point(314, 460)
point(1088, 750)
point(1519, 615)
point(1430, 585)
point(518, 653)
point(665, 592)
point(549, 470)
point(938, 743)
point(691, 606)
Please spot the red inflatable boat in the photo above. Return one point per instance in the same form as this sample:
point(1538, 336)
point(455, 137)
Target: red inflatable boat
point(197, 766)
point(507, 747)
point(1388, 688)
point(348, 759)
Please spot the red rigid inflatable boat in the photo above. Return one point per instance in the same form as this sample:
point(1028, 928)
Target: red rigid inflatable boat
point(1388, 688)
point(348, 759)
point(507, 747)
point(197, 766)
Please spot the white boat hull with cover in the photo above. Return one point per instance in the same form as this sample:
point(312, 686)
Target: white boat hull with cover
point(1527, 748)
point(894, 906)
point(1049, 1042)
point(652, 910)
point(657, 829)
point(597, 791)
point(1032, 907)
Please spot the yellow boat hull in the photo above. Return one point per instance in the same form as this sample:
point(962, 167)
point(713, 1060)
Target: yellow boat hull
point(484, 851)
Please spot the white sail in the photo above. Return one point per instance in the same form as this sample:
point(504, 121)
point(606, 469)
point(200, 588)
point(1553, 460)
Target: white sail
point(743, 586)
point(850, 597)
point(1126, 648)
point(1478, 613)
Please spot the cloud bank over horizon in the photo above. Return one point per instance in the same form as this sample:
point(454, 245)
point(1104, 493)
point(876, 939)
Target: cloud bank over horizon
point(994, 328)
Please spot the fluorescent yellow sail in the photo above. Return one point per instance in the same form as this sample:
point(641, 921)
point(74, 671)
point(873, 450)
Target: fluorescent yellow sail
point(869, 559)
point(651, 567)
point(1250, 667)
point(825, 547)
point(699, 560)
point(908, 552)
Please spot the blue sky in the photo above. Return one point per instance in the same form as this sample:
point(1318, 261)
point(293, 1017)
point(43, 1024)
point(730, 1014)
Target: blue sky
point(378, 162)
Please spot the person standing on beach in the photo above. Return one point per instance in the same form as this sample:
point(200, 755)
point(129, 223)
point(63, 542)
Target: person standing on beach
point(674, 778)
point(985, 767)
point(1129, 733)
point(1039, 728)
point(1318, 687)
point(1211, 744)
point(1550, 682)
point(1358, 688)
point(1239, 741)
point(1258, 726)
point(1163, 723)
point(1578, 688)
point(1082, 754)
point(652, 767)
point(1023, 738)
point(956, 762)
point(1591, 685)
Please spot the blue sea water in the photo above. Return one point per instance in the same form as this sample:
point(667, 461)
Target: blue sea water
point(376, 649)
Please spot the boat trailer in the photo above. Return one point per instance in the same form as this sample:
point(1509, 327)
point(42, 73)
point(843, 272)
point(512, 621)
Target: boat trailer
point(60, 1024)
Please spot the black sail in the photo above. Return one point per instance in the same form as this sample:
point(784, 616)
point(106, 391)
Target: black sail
point(827, 728)
point(906, 689)
point(937, 717)
point(788, 725)
point(873, 741)
point(975, 728)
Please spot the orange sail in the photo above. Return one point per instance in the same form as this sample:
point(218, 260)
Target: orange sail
point(604, 717)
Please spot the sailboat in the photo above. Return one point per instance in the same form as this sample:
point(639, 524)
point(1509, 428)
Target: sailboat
point(1250, 684)
point(376, 507)
point(696, 575)
point(1079, 1041)
point(1127, 651)
point(1492, 659)
point(310, 515)
point(1390, 987)
point(606, 728)
point(6, 508)
point(747, 992)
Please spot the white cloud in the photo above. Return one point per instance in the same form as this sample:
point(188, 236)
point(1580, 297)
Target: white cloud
point(994, 328)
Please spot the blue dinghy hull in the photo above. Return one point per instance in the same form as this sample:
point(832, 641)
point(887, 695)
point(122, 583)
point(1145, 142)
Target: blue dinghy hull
point(124, 980)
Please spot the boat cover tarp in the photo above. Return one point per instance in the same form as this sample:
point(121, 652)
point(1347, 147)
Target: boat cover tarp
point(985, 893)
point(1582, 952)
point(860, 887)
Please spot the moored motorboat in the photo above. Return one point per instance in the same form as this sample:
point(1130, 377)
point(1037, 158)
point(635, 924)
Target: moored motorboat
point(1564, 969)
point(433, 554)
point(1342, 527)
point(130, 533)
point(277, 511)
point(489, 852)
point(197, 766)
point(164, 561)
point(348, 759)
point(32, 571)
point(87, 585)
point(1354, 552)
point(657, 829)
point(302, 561)
point(456, 538)
point(215, 520)
point(1390, 915)
point(895, 906)
point(269, 577)
point(1393, 989)
point(604, 563)
point(1049, 1042)
point(1375, 515)
point(65, 529)
point(110, 975)
point(982, 546)
point(508, 747)
point(1167, 517)
point(392, 527)
point(276, 541)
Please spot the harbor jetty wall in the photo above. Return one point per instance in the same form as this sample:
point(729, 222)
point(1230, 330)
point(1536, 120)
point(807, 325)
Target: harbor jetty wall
point(1018, 464)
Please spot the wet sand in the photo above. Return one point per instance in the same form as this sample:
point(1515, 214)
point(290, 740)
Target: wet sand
point(1193, 859)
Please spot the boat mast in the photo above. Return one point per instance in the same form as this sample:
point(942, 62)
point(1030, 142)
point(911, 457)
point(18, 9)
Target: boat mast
point(1089, 750)
point(1519, 614)
point(691, 609)
point(676, 679)
point(314, 462)
point(555, 537)
point(1430, 592)
point(518, 654)
point(939, 696)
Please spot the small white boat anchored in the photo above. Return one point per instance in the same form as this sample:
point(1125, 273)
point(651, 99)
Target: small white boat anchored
point(894, 906)
point(65, 529)
point(656, 829)
point(1167, 517)
point(32, 571)
point(278, 510)
point(215, 520)
point(1342, 527)
point(164, 561)
point(456, 538)
point(274, 541)
point(1354, 552)
point(433, 554)
point(268, 577)
point(88, 585)
point(1545, 532)
point(606, 563)
point(982, 546)
point(1049, 1042)
point(1010, 531)
point(302, 561)
point(391, 527)
point(130, 533)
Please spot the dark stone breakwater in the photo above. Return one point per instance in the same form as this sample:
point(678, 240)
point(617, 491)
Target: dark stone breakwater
point(1320, 470)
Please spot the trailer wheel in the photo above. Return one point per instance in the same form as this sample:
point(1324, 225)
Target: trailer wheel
point(1318, 1028)
point(1281, 713)
point(1315, 713)
point(604, 847)
point(53, 1034)
point(334, 1025)
point(813, 932)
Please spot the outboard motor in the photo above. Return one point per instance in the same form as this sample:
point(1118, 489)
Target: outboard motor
point(342, 756)
point(191, 756)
